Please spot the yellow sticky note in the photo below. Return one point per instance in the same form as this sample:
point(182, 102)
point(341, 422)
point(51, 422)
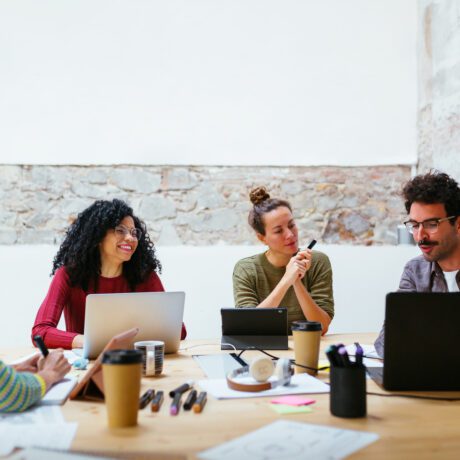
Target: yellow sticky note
point(285, 409)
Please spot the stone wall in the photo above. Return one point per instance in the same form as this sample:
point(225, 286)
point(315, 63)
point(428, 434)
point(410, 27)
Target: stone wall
point(204, 205)
point(439, 86)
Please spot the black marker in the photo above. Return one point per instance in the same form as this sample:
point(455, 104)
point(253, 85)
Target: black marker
point(190, 401)
point(146, 398)
point(41, 345)
point(182, 389)
point(312, 244)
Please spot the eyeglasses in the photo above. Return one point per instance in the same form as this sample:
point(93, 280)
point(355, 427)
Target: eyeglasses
point(430, 225)
point(122, 231)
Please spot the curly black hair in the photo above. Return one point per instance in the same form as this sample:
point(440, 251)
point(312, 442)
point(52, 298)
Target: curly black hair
point(433, 187)
point(79, 252)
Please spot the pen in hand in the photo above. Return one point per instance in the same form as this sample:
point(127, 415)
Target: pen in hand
point(41, 345)
point(310, 246)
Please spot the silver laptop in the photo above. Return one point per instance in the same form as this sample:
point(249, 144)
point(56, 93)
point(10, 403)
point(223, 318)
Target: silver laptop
point(158, 315)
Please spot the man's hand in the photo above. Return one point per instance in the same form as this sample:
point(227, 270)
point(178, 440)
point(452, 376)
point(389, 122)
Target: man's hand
point(54, 367)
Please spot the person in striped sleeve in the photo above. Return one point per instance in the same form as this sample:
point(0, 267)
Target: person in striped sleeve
point(22, 385)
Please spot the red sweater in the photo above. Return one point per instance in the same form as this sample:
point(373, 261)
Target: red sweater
point(62, 296)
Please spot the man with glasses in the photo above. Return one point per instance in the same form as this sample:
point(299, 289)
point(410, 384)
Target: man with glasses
point(432, 202)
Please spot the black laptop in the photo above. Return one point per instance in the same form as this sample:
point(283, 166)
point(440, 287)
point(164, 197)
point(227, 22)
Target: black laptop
point(254, 328)
point(422, 333)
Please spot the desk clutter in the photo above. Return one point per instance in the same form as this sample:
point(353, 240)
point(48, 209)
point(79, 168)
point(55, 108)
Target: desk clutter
point(193, 400)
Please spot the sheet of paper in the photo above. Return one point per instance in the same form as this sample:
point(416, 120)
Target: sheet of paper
point(300, 383)
point(23, 358)
point(369, 350)
point(293, 440)
point(284, 409)
point(37, 415)
point(59, 392)
point(73, 355)
point(51, 435)
point(371, 358)
point(216, 366)
point(40, 454)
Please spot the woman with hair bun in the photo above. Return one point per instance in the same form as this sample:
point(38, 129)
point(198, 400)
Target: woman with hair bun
point(106, 250)
point(300, 280)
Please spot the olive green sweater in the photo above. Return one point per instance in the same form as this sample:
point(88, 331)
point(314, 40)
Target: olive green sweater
point(254, 278)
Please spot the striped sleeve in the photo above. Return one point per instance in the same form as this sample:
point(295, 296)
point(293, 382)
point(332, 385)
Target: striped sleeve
point(18, 390)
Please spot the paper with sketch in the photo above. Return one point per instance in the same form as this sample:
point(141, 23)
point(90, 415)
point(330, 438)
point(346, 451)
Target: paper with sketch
point(38, 415)
point(292, 440)
point(40, 454)
point(51, 435)
point(42, 426)
point(300, 383)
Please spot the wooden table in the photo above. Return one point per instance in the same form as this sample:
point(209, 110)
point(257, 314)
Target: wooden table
point(408, 428)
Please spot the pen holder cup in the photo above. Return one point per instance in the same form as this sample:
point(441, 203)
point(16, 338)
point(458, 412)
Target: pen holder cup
point(348, 391)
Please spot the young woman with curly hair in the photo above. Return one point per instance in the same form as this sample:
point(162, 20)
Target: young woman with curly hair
point(285, 276)
point(106, 250)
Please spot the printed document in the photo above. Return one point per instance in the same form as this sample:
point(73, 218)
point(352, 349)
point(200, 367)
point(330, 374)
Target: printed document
point(293, 441)
point(37, 427)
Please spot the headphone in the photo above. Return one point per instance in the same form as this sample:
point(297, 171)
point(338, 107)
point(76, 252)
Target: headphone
point(261, 369)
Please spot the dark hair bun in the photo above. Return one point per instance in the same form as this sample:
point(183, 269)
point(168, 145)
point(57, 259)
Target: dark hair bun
point(257, 195)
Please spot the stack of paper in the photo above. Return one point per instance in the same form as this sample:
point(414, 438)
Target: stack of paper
point(43, 427)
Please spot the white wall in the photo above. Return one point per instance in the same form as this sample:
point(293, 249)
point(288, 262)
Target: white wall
point(362, 277)
point(295, 82)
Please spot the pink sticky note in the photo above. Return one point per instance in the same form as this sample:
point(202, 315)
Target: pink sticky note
point(293, 400)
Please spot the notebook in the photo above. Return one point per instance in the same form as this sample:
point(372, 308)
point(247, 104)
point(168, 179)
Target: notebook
point(254, 328)
point(157, 315)
point(421, 349)
point(59, 392)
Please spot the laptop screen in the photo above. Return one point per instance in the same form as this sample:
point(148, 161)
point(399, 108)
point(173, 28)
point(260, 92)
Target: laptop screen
point(421, 341)
point(254, 321)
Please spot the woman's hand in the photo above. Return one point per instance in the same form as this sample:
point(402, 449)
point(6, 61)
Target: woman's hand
point(28, 365)
point(296, 268)
point(304, 257)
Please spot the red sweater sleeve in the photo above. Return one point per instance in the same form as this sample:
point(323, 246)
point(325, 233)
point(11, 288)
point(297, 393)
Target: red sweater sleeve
point(50, 312)
point(154, 284)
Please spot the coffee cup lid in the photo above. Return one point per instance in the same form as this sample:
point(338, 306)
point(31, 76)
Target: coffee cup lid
point(306, 326)
point(122, 357)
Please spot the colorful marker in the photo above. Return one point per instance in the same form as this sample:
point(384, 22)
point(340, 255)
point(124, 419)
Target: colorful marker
point(157, 401)
point(175, 405)
point(200, 402)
